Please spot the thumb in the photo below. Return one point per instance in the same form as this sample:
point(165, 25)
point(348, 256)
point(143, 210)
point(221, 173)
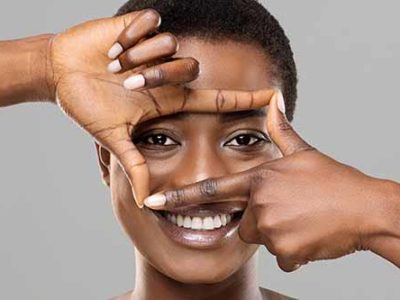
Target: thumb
point(134, 165)
point(287, 265)
point(280, 130)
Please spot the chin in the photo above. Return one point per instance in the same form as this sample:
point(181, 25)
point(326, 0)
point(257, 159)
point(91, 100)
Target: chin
point(203, 275)
point(206, 267)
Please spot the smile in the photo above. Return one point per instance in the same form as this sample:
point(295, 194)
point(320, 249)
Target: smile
point(199, 223)
point(201, 226)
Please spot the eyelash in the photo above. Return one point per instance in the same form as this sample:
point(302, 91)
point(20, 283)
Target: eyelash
point(251, 137)
point(167, 141)
point(144, 140)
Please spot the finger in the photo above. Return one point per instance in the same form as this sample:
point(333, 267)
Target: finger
point(225, 100)
point(172, 99)
point(177, 71)
point(133, 164)
point(248, 231)
point(287, 265)
point(160, 46)
point(280, 130)
point(141, 24)
point(221, 189)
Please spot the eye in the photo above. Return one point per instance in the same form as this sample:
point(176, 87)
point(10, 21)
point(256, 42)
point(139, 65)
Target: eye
point(157, 140)
point(243, 140)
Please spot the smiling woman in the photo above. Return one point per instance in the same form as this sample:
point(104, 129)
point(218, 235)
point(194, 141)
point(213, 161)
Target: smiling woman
point(239, 46)
point(199, 244)
point(179, 96)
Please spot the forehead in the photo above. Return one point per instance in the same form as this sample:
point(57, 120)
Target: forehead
point(227, 64)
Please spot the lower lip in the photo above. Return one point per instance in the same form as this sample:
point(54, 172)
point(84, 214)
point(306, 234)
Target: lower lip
point(201, 239)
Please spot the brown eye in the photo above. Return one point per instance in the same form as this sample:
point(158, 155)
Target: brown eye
point(244, 140)
point(158, 139)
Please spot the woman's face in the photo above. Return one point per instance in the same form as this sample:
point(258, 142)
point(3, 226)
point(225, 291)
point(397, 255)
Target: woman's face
point(198, 244)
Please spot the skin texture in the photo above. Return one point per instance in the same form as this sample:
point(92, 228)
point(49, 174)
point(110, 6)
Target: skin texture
point(74, 63)
point(70, 69)
point(165, 267)
point(293, 205)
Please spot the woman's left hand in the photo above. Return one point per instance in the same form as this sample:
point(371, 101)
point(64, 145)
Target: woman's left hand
point(304, 206)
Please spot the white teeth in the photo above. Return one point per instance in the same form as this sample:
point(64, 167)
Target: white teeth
point(208, 223)
point(173, 219)
point(223, 219)
point(179, 220)
point(217, 221)
point(187, 222)
point(198, 223)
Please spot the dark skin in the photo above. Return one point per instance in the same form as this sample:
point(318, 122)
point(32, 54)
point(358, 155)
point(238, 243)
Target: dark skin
point(194, 147)
point(45, 64)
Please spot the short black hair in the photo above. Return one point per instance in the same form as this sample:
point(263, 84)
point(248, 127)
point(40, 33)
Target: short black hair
point(239, 20)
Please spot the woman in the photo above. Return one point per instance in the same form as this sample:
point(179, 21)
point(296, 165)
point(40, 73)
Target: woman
point(196, 252)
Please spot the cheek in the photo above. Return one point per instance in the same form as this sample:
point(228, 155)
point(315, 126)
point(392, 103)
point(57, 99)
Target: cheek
point(242, 162)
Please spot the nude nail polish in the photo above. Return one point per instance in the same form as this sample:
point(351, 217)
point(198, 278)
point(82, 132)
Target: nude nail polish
point(157, 200)
point(134, 82)
point(114, 66)
point(281, 102)
point(115, 50)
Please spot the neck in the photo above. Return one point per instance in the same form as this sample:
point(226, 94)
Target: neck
point(151, 284)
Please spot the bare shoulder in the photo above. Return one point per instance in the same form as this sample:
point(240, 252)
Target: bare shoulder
point(125, 296)
point(271, 295)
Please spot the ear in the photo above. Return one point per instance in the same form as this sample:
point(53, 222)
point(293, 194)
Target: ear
point(103, 156)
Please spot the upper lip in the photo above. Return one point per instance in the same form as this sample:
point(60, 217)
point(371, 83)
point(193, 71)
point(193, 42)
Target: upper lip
point(209, 209)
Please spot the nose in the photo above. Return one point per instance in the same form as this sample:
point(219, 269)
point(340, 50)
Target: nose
point(201, 161)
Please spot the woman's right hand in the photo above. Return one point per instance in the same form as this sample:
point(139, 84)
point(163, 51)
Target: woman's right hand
point(90, 84)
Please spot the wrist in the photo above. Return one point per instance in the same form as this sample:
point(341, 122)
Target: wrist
point(41, 70)
point(27, 71)
point(383, 238)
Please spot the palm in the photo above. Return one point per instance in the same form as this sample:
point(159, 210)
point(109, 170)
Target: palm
point(97, 101)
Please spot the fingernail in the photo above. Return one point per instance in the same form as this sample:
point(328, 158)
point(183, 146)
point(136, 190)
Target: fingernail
point(115, 50)
point(281, 102)
point(154, 201)
point(296, 267)
point(114, 66)
point(134, 82)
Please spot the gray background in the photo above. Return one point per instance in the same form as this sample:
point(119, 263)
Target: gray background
point(57, 231)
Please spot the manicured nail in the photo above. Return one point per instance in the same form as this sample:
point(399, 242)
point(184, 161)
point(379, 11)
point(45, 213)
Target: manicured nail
point(114, 66)
point(115, 50)
point(134, 82)
point(296, 267)
point(281, 102)
point(157, 200)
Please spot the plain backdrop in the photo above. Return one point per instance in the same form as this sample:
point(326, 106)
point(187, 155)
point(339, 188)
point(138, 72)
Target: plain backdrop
point(58, 235)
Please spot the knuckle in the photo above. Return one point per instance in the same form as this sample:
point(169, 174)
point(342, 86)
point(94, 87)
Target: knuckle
point(284, 126)
point(261, 175)
point(152, 15)
point(175, 198)
point(192, 66)
point(157, 75)
point(208, 188)
point(267, 225)
point(131, 56)
point(171, 42)
point(285, 249)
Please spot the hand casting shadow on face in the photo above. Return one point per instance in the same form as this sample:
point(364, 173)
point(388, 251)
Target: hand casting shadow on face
point(173, 262)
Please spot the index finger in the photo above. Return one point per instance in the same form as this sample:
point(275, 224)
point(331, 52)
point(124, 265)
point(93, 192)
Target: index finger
point(221, 189)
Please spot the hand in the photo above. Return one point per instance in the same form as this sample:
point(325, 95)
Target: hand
point(97, 100)
point(303, 207)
